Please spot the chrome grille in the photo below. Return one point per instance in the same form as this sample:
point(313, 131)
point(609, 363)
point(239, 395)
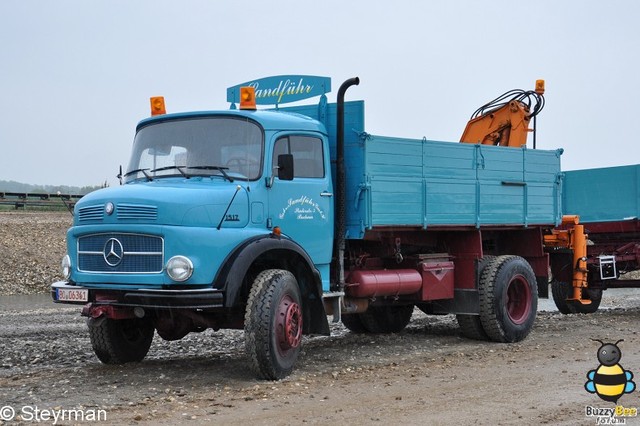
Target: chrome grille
point(90, 213)
point(136, 211)
point(120, 253)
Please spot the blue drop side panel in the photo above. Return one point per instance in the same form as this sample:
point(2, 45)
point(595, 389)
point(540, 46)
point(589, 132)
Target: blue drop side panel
point(604, 194)
point(544, 200)
point(427, 183)
point(450, 178)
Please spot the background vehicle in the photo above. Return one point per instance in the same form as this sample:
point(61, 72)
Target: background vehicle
point(270, 220)
point(593, 252)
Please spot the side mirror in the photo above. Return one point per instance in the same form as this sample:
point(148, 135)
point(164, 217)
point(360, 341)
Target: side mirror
point(285, 167)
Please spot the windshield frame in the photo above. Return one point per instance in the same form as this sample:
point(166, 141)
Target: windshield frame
point(204, 167)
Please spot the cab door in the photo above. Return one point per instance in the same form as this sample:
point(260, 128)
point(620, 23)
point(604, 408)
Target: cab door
point(303, 206)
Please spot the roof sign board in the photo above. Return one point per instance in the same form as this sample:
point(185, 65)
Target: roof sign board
point(283, 89)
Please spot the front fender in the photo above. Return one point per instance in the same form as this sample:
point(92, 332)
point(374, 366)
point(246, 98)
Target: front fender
point(231, 276)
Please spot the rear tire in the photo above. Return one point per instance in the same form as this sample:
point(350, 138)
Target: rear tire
point(386, 319)
point(273, 324)
point(508, 298)
point(471, 325)
point(121, 341)
point(353, 323)
point(595, 295)
point(561, 291)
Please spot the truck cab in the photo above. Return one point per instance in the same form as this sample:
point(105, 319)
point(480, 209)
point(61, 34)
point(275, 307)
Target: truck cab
point(209, 201)
point(205, 183)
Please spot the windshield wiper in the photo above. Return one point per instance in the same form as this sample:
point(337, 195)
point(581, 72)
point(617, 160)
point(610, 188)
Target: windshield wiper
point(219, 168)
point(144, 172)
point(178, 168)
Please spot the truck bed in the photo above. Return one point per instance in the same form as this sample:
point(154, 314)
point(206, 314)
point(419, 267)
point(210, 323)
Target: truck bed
point(427, 183)
point(397, 182)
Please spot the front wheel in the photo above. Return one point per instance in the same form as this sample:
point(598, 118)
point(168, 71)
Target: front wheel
point(273, 324)
point(508, 298)
point(121, 341)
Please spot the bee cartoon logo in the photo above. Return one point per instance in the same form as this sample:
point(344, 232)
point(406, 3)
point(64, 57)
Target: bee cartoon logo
point(609, 381)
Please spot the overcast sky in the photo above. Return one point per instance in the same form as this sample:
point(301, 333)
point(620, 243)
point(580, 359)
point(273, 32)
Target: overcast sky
point(76, 75)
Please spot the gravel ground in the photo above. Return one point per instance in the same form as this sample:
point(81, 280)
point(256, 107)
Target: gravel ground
point(427, 374)
point(32, 245)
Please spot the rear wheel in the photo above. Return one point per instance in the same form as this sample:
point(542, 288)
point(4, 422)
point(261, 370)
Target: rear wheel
point(561, 291)
point(273, 324)
point(353, 323)
point(470, 325)
point(508, 298)
point(595, 295)
point(386, 319)
point(120, 341)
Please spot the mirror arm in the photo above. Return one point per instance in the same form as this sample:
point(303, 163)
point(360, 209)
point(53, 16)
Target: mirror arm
point(271, 179)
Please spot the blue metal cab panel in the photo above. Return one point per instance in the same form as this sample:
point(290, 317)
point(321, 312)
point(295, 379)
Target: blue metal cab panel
point(607, 194)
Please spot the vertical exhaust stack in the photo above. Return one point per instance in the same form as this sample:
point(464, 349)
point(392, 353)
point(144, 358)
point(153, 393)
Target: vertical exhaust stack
point(341, 220)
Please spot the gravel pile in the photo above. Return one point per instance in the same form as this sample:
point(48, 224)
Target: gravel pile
point(31, 247)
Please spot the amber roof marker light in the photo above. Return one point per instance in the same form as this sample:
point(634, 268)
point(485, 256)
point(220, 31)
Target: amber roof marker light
point(157, 105)
point(248, 98)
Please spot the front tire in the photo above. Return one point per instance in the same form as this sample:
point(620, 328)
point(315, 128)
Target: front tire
point(121, 341)
point(273, 324)
point(508, 299)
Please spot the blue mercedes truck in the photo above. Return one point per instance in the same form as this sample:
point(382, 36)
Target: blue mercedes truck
point(273, 220)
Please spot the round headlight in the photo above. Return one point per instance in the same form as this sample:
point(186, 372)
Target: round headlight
point(179, 268)
point(66, 266)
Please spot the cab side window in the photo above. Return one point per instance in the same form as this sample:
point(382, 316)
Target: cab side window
point(308, 158)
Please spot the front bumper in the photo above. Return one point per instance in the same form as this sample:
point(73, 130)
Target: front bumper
point(146, 298)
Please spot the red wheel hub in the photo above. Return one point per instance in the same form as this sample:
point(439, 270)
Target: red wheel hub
point(289, 324)
point(518, 301)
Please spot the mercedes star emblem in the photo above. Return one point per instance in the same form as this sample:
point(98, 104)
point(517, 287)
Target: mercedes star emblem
point(113, 252)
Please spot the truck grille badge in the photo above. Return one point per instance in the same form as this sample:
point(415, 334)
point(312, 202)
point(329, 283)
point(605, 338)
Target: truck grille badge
point(113, 252)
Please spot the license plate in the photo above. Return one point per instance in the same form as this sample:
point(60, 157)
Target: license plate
point(73, 295)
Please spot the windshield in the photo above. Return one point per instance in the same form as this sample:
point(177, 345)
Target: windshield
point(211, 146)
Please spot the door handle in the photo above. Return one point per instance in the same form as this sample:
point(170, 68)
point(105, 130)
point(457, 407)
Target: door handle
point(326, 194)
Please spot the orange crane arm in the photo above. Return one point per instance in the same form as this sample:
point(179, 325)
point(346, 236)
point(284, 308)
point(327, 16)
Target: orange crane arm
point(505, 126)
point(505, 120)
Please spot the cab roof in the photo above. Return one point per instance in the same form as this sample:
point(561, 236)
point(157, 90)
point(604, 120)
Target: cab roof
point(269, 120)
